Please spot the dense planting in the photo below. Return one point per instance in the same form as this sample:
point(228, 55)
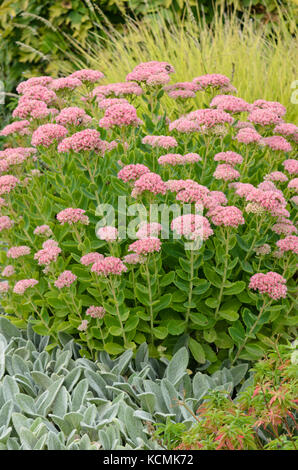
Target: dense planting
point(198, 244)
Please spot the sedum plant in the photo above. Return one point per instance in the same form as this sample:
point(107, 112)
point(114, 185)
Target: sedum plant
point(120, 228)
point(59, 401)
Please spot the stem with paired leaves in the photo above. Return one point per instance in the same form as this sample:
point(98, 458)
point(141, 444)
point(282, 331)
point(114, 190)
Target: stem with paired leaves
point(224, 278)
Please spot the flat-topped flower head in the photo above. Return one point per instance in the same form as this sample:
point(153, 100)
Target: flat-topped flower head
point(117, 89)
point(232, 158)
point(39, 92)
point(33, 109)
point(230, 103)
point(109, 265)
point(95, 312)
point(264, 117)
point(107, 233)
point(132, 172)
point(227, 216)
point(291, 166)
point(8, 271)
point(17, 251)
point(210, 117)
point(134, 258)
point(276, 176)
point(214, 199)
point(289, 243)
point(8, 183)
point(43, 230)
point(69, 83)
point(48, 134)
point(87, 75)
point(192, 192)
point(151, 182)
point(145, 246)
point(17, 127)
point(83, 326)
point(158, 79)
point(272, 284)
point(107, 102)
point(163, 141)
point(284, 227)
point(263, 250)
point(287, 129)
point(49, 253)
point(269, 200)
point(276, 142)
point(120, 115)
point(146, 230)
point(73, 115)
point(84, 141)
point(192, 226)
point(33, 81)
point(72, 216)
point(91, 258)
point(4, 287)
point(143, 71)
point(247, 135)
point(226, 172)
point(293, 184)
point(273, 106)
point(212, 80)
point(181, 94)
point(24, 284)
point(5, 223)
point(65, 279)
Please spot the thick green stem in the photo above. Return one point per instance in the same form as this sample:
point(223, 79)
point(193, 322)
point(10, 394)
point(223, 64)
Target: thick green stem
point(224, 274)
point(150, 301)
point(190, 287)
point(118, 313)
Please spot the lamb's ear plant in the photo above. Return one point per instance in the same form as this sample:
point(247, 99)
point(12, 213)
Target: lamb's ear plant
point(57, 400)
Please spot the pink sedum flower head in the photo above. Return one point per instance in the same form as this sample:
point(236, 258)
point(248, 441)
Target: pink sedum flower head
point(174, 159)
point(272, 284)
point(4, 287)
point(210, 117)
point(96, 312)
point(293, 184)
point(30, 108)
point(91, 258)
point(72, 216)
point(232, 158)
point(8, 271)
point(247, 135)
point(149, 230)
point(212, 80)
point(289, 243)
point(107, 102)
point(120, 115)
point(17, 251)
point(264, 117)
point(33, 81)
point(151, 182)
point(226, 172)
point(84, 141)
point(108, 233)
point(192, 192)
point(143, 71)
point(43, 230)
point(263, 250)
point(83, 326)
point(39, 92)
point(273, 106)
point(291, 166)
point(276, 176)
point(214, 199)
point(87, 75)
point(21, 286)
point(73, 115)
point(228, 216)
point(65, 279)
point(231, 104)
point(192, 226)
point(134, 258)
point(49, 253)
point(158, 79)
point(69, 83)
point(295, 200)
point(48, 134)
point(284, 227)
point(132, 172)
point(5, 223)
point(109, 265)
point(145, 246)
point(181, 94)
point(117, 89)
point(17, 127)
point(276, 142)
point(163, 141)
point(8, 183)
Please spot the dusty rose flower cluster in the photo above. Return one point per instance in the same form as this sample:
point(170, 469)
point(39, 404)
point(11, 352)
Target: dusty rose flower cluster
point(192, 226)
point(109, 265)
point(95, 312)
point(17, 251)
point(145, 246)
point(49, 253)
point(162, 141)
point(132, 172)
point(65, 279)
point(272, 284)
point(72, 216)
point(21, 286)
point(48, 134)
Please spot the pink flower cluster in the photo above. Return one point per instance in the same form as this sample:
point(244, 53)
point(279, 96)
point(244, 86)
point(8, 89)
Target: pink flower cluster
point(272, 284)
point(276, 176)
point(69, 83)
point(43, 230)
point(277, 142)
point(133, 258)
point(192, 192)
point(109, 265)
point(73, 115)
point(17, 127)
point(226, 172)
point(144, 246)
point(117, 89)
point(289, 243)
point(17, 251)
point(212, 80)
point(149, 230)
point(8, 271)
point(87, 75)
point(273, 106)
point(147, 70)
point(4, 287)
point(48, 254)
point(132, 172)
point(34, 109)
point(21, 286)
point(293, 184)
point(192, 226)
point(91, 258)
point(8, 183)
point(151, 182)
point(264, 117)
point(107, 233)
point(232, 158)
point(291, 166)
point(95, 312)
point(228, 216)
point(65, 279)
point(5, 223)
point(120, 115)
point(48, 134)
point(38, 92)
point(163, 141)
point(84, 141)
point(174, 159)
point(230, 103)
point(247, 135)
point(287, 129)
point(33, 81)
point(72, 216)
point(107, 102)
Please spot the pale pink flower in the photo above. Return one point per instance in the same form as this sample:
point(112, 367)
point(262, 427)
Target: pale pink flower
point(48, 254)
point(109, 265)
point(214, 199)
point(287, 129)
point(21, 286)
point(184, 125)
point(192, 226)
point(43, 230)
point(33, 81)
point(5, 223)
point(228, 216)
point(289, 243)
point(293, 184)
point(16, 251)
point(273, 106)
point(263, 250)
point(143, 71)
point(151, 182)
point(132, 172)
point(87, 75)
point(149, 230)
point(83, 326)
point(133, 258)
point(276, 176)
point(145, 246)
point(226, 172)
point(295, 200)
point(210, 117)
point(291, 166)
point(73, 115)
point(264, 117)
point(212, 80)
point(107, 102)
point(248, 135)
point(65, 279)
point(232, 158)
point(72, 216)
point(120, 115)
point(117, 89)
point(17, 127)
point(108, 233)
point(163, 141)
point(39, 92)
point(8, 183)
point(230, 103)
point(181, 94)
point(69, 83)
point(276, 142)
point(95, 312)
point(192, 192)
point(29, 108)
point(86, 140)
point(91, 258)
point(158, 79)
point(4, 287)
point(48, 134)
point(284, 227)
point(8, 271)
point(272, 284)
